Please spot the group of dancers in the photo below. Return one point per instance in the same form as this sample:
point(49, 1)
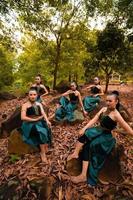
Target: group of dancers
point(95, 140)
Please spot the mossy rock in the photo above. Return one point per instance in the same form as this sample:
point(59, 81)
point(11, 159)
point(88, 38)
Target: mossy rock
point(78, 116)
point(44, 187)
point(17, 146)
point(13, 122)
point(74, 167)
point(111, 171)
point(63, 86)
point(8, 189)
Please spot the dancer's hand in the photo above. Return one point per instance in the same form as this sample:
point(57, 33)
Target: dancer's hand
point(85, 113)
point(49, 124)
point(38, 118)
point(43, 103)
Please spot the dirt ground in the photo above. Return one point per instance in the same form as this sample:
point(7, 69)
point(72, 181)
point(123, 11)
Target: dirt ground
point(29, 167)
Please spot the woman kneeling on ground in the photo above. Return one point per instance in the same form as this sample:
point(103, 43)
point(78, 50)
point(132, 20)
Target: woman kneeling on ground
point(36, 126)
point(67, 106)
point(97, 142)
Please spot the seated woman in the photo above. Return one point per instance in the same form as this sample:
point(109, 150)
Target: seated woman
point(36, 126)
point(40, 88)
point(15, 119)
point(97, 142)
point(66, 107)
point(91, 102)
point(122, 110)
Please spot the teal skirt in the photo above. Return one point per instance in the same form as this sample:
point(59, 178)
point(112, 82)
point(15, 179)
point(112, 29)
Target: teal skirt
point(90, 103)
point(100, 143)
point(66, 110)
point(36, 133)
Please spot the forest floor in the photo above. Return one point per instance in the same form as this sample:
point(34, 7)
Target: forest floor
point(29, 167)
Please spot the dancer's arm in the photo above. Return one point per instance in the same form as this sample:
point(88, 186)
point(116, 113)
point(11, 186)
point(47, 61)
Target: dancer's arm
point(81, 103)
point(92, 121)
point(45, 89)
point(44, 115)
point(26, 118)
point(123, 123)
point(101, 92)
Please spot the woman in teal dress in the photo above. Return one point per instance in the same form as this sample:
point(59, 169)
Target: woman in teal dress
point(14, 121)
point(35, 126)
point(91, 102)
point(66, 107)
point(122, 109)
point(97, 142)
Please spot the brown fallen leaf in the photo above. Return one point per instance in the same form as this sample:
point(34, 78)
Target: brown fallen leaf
point(88, 196)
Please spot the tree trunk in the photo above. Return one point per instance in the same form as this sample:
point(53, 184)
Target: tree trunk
point(55, 75)
point(70, 77)
point(58, 49)
point(76, 78)
point(107, 83)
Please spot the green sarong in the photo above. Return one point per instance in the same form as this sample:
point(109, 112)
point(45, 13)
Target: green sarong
point(90, 103)
point(100, 145)
point(36, 133)
point(66, 110)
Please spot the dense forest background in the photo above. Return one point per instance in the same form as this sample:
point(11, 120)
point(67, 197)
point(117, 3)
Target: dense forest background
point(64, 40)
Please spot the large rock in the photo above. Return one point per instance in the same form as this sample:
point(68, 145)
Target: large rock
point(74, 167)
point(13, 122)
point(125, 114)
point(111, 171)
point(17, 146)
point(44, 187)
point(97, 109)
point(63, 86)
point(8, 189)
point(7, 96)
point(78, 118)
point(13, 188)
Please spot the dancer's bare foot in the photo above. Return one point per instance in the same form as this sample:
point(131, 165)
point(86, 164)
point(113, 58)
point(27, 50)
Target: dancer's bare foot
point(44, 158)
point(78, 179)
point(46, 148)
point(71, 156)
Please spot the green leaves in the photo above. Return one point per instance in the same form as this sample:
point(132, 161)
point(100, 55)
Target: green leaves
point(6, 66)
point(14, 158)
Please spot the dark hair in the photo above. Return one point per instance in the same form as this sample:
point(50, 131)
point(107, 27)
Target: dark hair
point(98, 79)
point(39, 75)
point(32, 89)
point(75, 84)
point(115, 93)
